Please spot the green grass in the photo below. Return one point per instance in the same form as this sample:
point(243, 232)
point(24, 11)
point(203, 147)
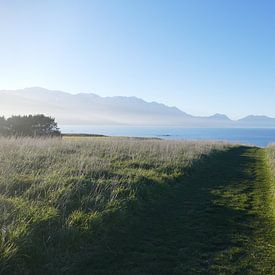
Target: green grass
point(127, 206)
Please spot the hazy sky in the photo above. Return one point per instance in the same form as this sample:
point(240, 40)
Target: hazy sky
point(204, 56)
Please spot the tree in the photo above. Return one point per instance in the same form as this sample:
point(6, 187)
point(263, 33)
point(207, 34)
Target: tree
point(44, 126)
point(31, 125)
point(4, 129)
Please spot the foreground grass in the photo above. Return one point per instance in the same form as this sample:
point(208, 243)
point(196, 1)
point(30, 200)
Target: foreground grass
point(126, 206)
point(74, 206)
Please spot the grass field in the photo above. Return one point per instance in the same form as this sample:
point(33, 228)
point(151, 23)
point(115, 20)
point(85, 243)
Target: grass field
point(129, 206)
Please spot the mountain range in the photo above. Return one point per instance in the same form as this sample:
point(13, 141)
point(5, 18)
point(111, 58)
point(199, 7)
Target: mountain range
point(91, 109)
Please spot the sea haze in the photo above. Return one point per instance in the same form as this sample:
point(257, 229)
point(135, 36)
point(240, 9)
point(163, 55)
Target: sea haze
point(92, 109)
point(251, 136)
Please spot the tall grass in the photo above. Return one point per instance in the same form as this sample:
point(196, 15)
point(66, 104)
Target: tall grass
point(58, 195)
point(271, 159)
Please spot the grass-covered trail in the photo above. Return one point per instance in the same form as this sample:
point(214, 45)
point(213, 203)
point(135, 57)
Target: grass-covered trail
point(216, 220)
point(225, 211)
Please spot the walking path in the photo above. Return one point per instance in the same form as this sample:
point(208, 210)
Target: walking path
point(215, 219)
point(218, 220)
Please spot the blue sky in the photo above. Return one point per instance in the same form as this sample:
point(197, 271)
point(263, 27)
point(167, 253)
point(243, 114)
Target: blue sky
point(204, 56)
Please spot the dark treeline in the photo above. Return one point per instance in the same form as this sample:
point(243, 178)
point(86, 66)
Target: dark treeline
point(31, 125)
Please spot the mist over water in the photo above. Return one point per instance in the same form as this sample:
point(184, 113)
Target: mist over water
point(251, 136)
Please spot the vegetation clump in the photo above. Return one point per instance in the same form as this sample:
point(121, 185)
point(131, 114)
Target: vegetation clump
point(31, 125)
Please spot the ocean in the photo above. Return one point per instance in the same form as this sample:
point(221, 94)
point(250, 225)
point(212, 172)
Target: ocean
point(251, 136)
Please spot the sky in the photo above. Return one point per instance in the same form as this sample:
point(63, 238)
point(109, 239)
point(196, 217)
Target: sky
point(203, 56)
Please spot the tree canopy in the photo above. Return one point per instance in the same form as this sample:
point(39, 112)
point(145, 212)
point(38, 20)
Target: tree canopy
point(29, 125)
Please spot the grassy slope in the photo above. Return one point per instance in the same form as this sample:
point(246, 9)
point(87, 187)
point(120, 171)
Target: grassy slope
point(216, 217)
point(66, 203)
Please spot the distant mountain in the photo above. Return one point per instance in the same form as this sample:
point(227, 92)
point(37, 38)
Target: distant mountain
point(220, 117)
point(257, 121)
point(91, 109)
point(85, 108)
